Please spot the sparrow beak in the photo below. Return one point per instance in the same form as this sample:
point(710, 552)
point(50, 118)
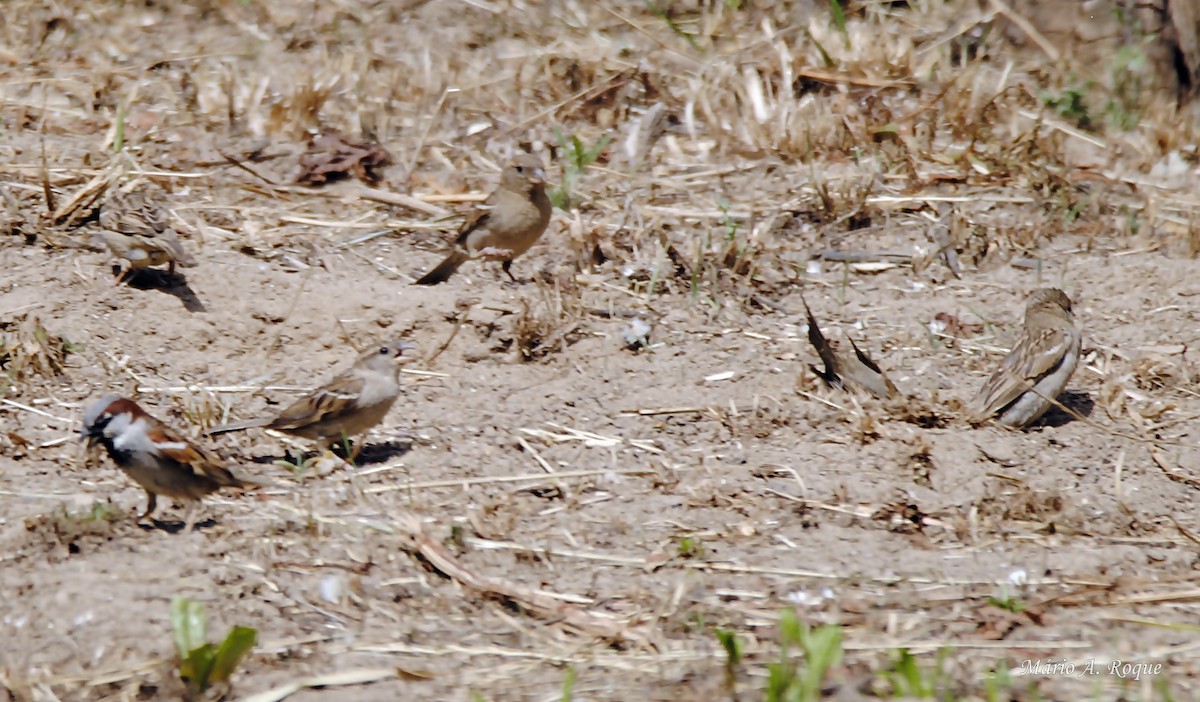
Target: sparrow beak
point(401, 348)
point(537, 176)
point(86, 434)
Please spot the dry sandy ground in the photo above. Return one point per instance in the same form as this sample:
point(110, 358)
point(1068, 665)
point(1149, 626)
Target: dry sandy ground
point(707, 481)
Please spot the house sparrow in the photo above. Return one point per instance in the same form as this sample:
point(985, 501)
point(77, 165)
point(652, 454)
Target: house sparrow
point(135, 228)
point(347, 406)
point(157, 458)
point(508, 223)
point(1038, 367)
point(842, 369)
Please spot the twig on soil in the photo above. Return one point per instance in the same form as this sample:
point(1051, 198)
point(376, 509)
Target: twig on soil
point(348, 190)
point(534, 602)
point(175, 389)
point(458, 322)
point(1027, 27)
point(563, 490)
point(665, 410)
point(38, 412)
point(588, 438)
point(237, 162)
point(338, 679)
point(467, 482)
point(655, 564)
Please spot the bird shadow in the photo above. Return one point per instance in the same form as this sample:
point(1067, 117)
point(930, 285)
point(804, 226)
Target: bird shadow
point(175, 285)
point(369, 455)
point(175, 526)
point(381, 452)
point(1080, 403)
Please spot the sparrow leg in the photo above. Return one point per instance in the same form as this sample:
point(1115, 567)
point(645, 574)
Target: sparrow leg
point(507, 268)
point(123, 276)
point(358, 447)
point(193, 511)
point(151, 504)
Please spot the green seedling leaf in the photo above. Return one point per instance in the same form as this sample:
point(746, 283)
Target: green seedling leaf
point(558, 198)
point(732, 644)
point(789, 629)
point(196, 668)
point(568, 686)
point(671, 24)
point(820, 49)
point(231, 651)
point(189, 625)
point(822, 649)
point(839, 19)
point(119, 134)
point(577, 151)
point(597, 149)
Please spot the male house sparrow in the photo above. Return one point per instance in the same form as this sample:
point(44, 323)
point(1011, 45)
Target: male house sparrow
point(508, 223)
point(1037, 369)
point(345, 407)
point(157, 458)
point(134, 227)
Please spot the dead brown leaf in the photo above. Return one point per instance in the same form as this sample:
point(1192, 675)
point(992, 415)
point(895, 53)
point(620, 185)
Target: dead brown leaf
point(332, 156)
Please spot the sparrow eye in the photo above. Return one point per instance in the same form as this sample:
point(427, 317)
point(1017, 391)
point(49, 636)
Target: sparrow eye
point(520, 169)
point(383, 350)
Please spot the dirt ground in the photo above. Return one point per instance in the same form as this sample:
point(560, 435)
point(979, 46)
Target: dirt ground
point(607, 505)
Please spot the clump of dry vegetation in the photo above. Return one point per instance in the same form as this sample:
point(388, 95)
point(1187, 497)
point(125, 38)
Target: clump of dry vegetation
point(28, 350)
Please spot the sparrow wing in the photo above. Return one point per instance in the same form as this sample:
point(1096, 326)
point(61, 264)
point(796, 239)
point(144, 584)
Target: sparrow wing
point(478, 220)
point(169, 444)
point(330, 401)
point(463, 247)
point(1034, 356)
point(170, 242)
point(133, 214)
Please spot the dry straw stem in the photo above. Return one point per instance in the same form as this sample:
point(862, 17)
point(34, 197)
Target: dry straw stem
point(465, 483)
point(540, 604)
point(339, 679)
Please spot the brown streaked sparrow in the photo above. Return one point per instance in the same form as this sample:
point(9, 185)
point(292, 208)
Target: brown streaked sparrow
point(506, 225)
point(349, 405)
point(157, 458)
point(134, 227)
point(1037, 369)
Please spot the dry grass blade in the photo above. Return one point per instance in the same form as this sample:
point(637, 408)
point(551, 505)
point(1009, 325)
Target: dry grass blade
point(83, 198)
point(352, 191)
point(339, 679)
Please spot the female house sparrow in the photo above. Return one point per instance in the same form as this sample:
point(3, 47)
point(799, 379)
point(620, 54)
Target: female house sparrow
point(347, 406)
point(154, 454)
point(1037, 369)
point(135, 228)
point(508, 223)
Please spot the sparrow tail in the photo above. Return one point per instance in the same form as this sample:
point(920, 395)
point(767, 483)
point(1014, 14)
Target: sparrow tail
point(445, 269)
point(246, 484)
point(179, 254)
point(238, 426)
